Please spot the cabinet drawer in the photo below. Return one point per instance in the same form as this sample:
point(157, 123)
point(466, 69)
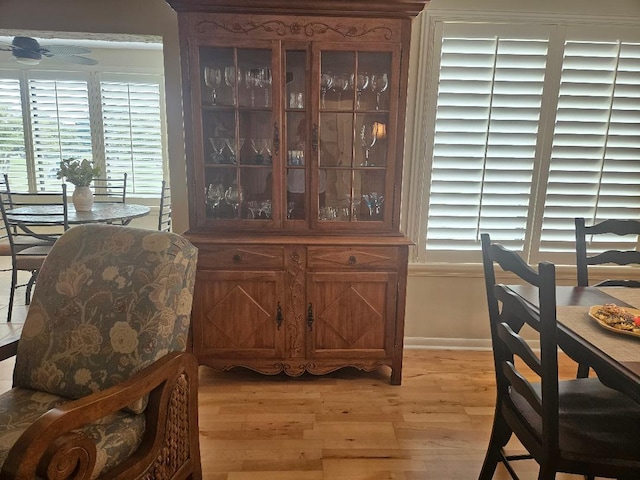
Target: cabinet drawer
point(352, 257)
point(232, 257)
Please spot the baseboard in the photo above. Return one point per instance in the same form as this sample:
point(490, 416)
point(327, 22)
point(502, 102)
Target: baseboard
point(450, 343)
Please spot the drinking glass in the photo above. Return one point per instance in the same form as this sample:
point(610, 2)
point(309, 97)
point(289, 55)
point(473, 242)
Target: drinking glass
point(234, 149)
point(253, 81)
point(217, 143)
point(232, 76)
point(368, 140)
point(378, 83)
point(341, 83)
point(326, 82)
point(212, 79)
point(266, 79)
point(256, 146)
point(234, 196)
point(359, 82)
point(215, 194)
point(265, 148)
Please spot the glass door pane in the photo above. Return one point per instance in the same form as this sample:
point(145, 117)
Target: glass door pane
point(296, 112)
point(237, 132)
point(353, 148)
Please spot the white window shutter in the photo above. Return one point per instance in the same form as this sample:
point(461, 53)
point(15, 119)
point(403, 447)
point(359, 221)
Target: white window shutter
point(595, 161)
point(13, 156)
point(59, 112)
point(133, 134)
point(484, 147)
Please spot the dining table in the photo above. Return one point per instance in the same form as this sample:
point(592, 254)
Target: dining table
point(44, 214)
point(613, 355)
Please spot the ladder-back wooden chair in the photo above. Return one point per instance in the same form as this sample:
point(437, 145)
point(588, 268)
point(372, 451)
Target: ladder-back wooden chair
point(576, 426)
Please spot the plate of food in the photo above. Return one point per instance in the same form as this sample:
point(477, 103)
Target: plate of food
point(617, 319)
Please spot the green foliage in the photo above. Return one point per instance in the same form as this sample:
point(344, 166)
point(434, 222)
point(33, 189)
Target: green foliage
point(80, 173)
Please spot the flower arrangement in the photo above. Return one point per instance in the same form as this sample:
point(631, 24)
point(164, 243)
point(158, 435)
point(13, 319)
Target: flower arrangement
point(79, 172)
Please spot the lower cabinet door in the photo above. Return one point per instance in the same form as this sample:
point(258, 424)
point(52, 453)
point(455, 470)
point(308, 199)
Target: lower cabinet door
point(238, 315)
point(351, 315)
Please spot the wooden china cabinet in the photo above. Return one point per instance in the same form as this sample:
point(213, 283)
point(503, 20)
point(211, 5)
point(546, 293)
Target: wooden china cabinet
point(294, 123)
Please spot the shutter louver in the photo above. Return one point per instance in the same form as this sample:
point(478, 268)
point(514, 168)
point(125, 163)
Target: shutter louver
point(60, 126)
point(13, 157)
point(132, 134)
point(488, 111)
point(594, 168)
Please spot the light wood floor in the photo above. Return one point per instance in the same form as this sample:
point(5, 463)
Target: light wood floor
point(348, 425)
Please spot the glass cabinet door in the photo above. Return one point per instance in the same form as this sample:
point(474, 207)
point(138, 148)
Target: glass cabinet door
point(352, 143)
point(296, 128)
point(239, 134)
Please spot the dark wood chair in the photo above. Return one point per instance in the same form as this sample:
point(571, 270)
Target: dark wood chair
point(576, 426)
point(29, 246)
point(110, 190)
point(164, 215)
point(103, 387)
point(616, 257)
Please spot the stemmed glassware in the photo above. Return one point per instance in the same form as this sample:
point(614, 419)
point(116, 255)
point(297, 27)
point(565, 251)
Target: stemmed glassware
point(257, 154)
point(212, 79)
point(374, 202)
point(232, 76)
point(234, 149)
point(326, 82)
point(359, 82)
point(379, 83)
point(215, 194)
point(234, 196)
point(368, 140)
point(265, 147)
point(266, 79)
point(340, 84)
point(217, 143)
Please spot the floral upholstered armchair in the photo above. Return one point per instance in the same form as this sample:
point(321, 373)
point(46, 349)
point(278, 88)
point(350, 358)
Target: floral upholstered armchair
point(102, 386)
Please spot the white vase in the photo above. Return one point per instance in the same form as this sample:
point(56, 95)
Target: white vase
point(82, 199)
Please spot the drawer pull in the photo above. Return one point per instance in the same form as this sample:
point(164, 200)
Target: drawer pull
point(279, 316)
point(237, 258)
point(353, 260)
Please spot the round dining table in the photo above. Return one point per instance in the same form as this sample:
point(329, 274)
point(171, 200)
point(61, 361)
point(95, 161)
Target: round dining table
point(121, 213)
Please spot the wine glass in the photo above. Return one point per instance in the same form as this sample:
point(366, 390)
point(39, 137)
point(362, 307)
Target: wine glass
point(252, 81)
point(234, 149)
point(234, 196)
point(256, 146)
point(265, 147)
point(340, 84)
point(212, 79)
point(232, 76)
point(266, 79)
point(368, 140)
point(326, 82)
point(359, 82)
point(215, 194)
point(378, 83)
point(217, 143)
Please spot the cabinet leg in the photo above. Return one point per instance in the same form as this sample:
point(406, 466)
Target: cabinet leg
point(396, 376)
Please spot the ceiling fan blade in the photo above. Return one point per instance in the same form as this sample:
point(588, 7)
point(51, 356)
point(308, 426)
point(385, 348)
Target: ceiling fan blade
point(48, 50)
point(71, 59)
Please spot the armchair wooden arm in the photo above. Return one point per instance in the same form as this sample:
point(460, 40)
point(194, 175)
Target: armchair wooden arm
point(169, 449)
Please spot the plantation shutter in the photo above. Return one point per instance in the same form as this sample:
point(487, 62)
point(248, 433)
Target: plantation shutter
point(486, 126)
point(132, 125)
point(13, 157)
point(595, 161)
point(59, 112)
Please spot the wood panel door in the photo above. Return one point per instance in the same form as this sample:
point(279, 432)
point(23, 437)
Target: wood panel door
point(351, 315)
point(239, 315)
